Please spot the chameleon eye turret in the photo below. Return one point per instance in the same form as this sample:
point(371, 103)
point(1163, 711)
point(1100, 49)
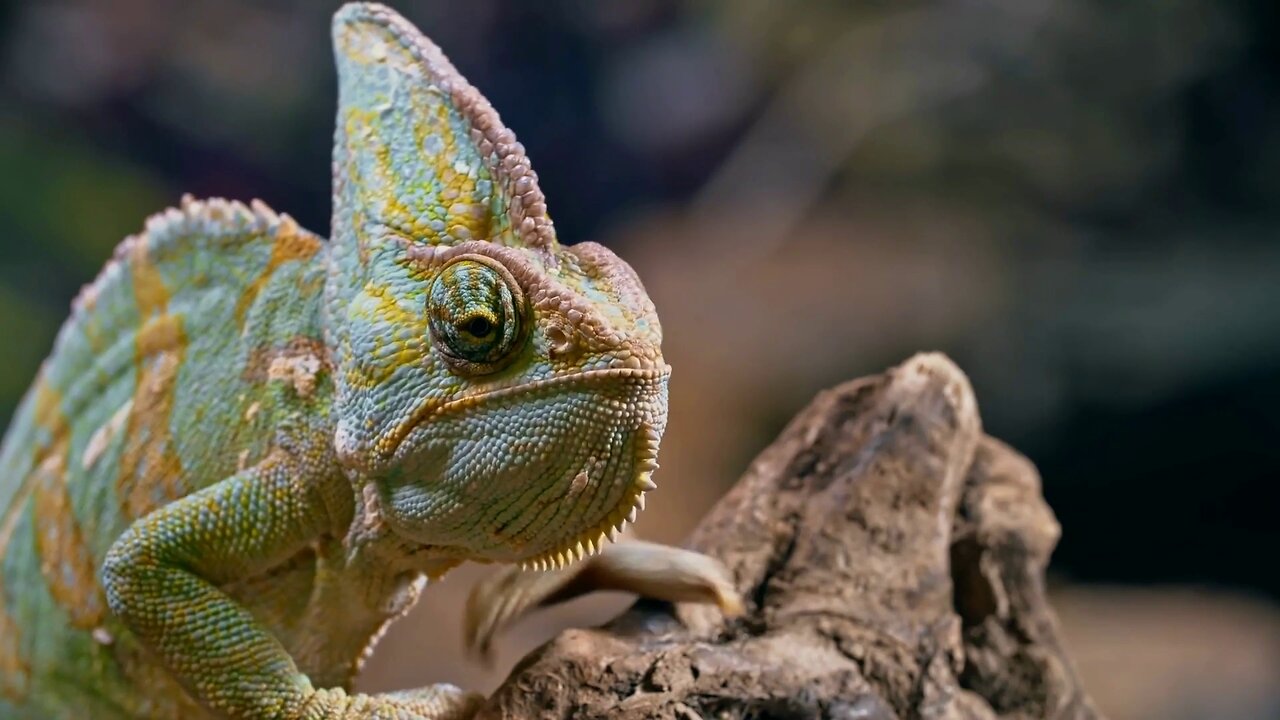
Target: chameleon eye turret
point(476, 311)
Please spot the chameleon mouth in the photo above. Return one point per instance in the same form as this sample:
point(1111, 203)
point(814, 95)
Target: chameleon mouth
point(593, 540)
point(430, 410)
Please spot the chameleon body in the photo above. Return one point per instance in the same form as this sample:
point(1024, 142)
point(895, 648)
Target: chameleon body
point(250, 446)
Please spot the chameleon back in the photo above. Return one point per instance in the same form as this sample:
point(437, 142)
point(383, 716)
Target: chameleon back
point(200, 334)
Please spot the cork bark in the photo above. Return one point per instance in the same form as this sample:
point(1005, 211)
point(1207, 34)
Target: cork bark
point(892, 556)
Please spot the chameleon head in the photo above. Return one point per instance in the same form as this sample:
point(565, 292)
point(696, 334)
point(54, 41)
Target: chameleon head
point(525, 424)
point(503, 394)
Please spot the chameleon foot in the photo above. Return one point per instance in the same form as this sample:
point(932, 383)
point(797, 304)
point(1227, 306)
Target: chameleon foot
point(648, 569)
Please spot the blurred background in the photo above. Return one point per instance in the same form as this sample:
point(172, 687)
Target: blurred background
point(1075, 199)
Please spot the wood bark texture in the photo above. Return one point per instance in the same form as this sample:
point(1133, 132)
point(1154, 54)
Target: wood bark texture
point(892, 557)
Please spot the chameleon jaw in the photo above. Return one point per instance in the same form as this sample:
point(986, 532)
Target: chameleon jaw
point(593, 540)
point(392, 443)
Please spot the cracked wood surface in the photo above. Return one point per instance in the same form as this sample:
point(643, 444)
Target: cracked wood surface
point(893, 560)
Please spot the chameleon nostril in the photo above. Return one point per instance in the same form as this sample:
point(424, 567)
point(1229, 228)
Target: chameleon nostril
point(559, 341)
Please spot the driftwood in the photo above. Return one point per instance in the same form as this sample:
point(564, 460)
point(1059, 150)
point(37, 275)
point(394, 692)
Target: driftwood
point(892, 557)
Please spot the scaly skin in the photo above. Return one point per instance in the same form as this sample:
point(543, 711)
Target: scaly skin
point(250, 447)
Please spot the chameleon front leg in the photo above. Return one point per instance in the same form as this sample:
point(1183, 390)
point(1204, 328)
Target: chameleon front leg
point(162, 579)
point(651, 570)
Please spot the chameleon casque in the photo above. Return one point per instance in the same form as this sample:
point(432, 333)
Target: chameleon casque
point(251, 447)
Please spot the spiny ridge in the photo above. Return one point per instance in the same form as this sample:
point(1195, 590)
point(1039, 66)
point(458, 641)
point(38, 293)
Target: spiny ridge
point(593, 540)
point(215, 218)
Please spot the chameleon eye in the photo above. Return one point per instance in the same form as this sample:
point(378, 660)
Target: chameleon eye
point(474, 309)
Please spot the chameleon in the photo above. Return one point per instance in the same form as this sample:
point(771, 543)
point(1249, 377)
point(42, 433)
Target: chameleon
point(251, 447)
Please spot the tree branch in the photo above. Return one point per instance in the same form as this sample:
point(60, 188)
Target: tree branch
point(893, 560)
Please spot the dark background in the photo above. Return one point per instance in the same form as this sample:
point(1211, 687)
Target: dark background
point(1075, 199)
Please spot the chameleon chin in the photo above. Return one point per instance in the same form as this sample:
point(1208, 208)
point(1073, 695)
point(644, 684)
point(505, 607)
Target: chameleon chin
point(248, 440)
point(550, 502)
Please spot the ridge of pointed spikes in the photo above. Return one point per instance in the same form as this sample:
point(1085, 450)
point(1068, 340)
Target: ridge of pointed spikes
point(592, 541)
